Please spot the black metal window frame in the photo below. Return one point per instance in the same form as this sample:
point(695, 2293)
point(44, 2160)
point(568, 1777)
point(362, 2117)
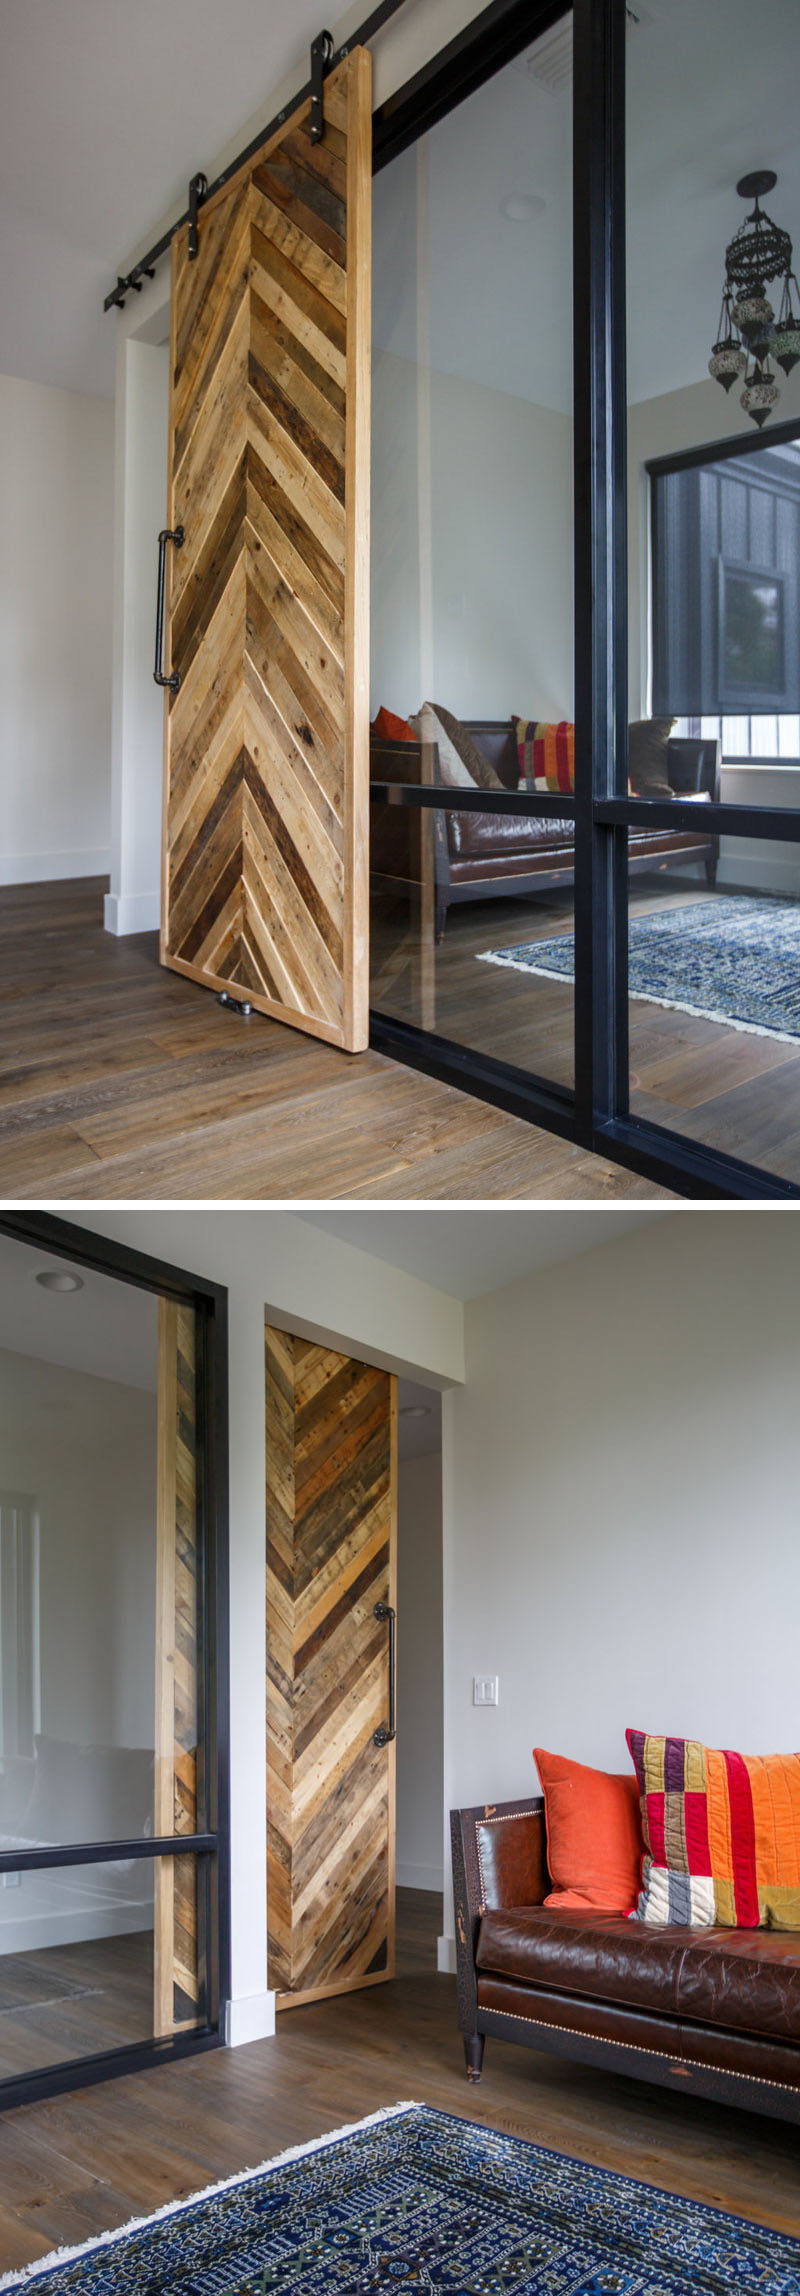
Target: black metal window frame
point(211, 1848)
point(706, 458)
point(597, 1114)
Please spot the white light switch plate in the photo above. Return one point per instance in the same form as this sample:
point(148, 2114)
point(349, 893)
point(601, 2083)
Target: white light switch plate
point(485, 1690)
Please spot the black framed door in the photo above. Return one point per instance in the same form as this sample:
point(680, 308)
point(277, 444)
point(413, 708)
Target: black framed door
point(114, 1825)
point(613, 827)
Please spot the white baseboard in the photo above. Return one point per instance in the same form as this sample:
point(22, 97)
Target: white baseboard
point(46, 868)
point(761, 873)
point(131, 913)
point(446, 1956)
point(38, 1930)
point(420, 1877)
point(252, 2019)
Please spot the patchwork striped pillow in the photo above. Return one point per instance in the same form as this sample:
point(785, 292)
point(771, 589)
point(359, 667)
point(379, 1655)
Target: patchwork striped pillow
point(722, 1835)
point(546, 755)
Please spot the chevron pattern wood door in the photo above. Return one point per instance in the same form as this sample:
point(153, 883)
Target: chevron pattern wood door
point(331, 1555)
point(177, 1725)
point(266, 814)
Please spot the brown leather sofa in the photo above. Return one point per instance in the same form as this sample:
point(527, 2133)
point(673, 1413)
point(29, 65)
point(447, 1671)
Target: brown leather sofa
point(712, 2011)
point(486, 856)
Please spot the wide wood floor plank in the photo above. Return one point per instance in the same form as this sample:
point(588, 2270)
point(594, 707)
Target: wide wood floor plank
point(84, 2163)
point(119, 1080)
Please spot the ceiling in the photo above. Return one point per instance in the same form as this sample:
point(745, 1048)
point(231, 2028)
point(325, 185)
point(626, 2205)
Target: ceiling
point(107, 109)
point(467, 1253)
point(108, 1328)
point(711, 93)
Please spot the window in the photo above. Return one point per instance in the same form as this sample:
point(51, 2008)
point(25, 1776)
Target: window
point(726, 596)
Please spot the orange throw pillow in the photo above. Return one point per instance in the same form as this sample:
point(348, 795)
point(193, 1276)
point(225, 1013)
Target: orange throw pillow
point(391, 728)
point(594, 1835)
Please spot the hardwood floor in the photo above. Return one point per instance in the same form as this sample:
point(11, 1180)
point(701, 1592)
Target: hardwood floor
point(67, 2001)
point(716, 1085)
point(119, 1080)
point(85, 2162)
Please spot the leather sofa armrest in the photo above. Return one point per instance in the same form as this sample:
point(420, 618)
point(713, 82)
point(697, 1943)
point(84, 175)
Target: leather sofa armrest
point(499, 1859)
point(693, 767)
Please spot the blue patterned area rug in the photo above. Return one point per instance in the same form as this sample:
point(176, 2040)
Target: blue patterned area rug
point(414, 2200)
point(729, 958)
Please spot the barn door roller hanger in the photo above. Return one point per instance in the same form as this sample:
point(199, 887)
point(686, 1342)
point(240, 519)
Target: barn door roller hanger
point(131, 281)
point(321, 53)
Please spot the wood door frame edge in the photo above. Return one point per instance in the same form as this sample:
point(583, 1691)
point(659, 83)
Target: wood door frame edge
point(330, 1992)
point(358, 562)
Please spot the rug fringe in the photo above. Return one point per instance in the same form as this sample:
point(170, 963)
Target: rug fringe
point(640, 996)
point(56, 2256)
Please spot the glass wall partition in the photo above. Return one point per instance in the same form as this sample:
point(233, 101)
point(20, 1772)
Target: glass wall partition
point(113, 1829)
point(621, 549)
point(472, 570)
point(713, 368)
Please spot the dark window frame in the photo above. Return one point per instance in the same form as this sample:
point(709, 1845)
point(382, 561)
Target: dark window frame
point(211, 1848)
point(733, 449)
point(596, 1115)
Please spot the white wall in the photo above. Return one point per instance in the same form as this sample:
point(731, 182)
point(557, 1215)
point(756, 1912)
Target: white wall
point(275, 1261)
point(620, 1503)
point(500, 545)
point(420, 1718)
point(140, 498)
point(56, 527)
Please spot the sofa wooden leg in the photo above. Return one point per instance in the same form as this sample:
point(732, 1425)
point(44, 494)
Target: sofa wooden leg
point(711, 868)
point(473, 2051)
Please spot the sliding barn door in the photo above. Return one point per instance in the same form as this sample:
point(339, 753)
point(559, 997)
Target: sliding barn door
point(176, 1957)
point(266, 814)
point(331, 1548)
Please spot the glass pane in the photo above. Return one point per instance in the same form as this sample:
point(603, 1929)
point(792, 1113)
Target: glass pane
point(99, 1564)
point(471, 931)
point(472, 551)
point(95, 1957)
point(714, 1008)
point(714, 357)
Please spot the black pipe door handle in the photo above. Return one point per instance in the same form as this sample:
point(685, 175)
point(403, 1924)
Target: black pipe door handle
point(168, 534)
point(386, 1732)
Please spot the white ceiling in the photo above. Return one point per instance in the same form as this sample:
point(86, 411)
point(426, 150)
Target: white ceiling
point(109, 1328)
point(467, 1253)
point(712, 92)
point(106, 110)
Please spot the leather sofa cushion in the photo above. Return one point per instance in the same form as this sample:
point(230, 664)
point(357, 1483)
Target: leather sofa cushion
point(485, 836)
point(745, 1980)
point(513, 836)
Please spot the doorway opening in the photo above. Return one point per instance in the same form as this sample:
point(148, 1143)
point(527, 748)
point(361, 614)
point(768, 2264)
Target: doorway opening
point(354, 1670)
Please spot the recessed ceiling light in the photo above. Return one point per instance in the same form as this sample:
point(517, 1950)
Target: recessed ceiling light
point(522, 206)
point(415, 1411)
point(59, 1280)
